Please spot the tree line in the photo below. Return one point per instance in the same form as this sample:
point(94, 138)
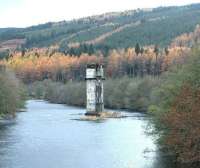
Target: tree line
point(41, 64)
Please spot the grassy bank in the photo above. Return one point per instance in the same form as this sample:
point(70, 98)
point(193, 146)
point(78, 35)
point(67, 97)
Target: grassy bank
point(12, 94)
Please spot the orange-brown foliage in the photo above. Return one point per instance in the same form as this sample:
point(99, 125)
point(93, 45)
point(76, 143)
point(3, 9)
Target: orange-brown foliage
point(40, 64)
point(183, 122)
point(176, 55)
point(187, 39)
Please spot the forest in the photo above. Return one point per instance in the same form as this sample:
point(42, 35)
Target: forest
point(150, 66)
point(107, 31)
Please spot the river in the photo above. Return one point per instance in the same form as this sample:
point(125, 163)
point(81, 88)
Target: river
point(47, 136)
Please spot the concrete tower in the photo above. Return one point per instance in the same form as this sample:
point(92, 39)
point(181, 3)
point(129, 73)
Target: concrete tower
point(94, 86)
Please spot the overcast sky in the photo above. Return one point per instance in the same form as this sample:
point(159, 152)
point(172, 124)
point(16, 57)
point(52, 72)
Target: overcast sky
point(22, 13)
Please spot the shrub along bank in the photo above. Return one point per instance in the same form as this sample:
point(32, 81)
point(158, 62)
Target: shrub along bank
point(12, 93)
point(124, 93)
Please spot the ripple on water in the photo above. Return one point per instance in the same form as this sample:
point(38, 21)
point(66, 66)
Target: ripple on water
point(46, 137)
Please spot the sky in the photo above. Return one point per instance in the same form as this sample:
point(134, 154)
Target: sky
point(23, 13)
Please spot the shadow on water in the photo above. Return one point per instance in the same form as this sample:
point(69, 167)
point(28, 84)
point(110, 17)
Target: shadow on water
point(163, 161)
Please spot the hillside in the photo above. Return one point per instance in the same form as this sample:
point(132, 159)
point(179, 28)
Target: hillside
point(103, 32)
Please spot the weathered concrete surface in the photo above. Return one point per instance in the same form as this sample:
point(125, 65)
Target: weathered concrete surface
point(94, 89)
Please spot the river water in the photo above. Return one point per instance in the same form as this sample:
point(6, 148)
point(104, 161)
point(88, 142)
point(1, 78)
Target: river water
point(47, 136)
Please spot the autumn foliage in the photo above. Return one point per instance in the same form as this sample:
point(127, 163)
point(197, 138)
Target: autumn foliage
point(188, 39)
point(183, 123)
point(177, 110)
point(41, 64)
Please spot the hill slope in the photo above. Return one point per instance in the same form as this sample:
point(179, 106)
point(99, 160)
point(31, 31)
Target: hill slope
point(111, 30)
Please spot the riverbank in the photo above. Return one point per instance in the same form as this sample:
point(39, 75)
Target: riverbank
point(12, 93)
point(132, 94)
point(176, 111)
